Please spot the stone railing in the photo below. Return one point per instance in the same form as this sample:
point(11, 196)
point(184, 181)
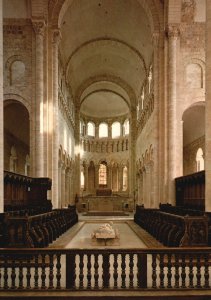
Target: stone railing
point(104, 145)
point(104, 269)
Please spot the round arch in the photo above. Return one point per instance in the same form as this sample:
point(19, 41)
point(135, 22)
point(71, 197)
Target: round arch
point(58, 8)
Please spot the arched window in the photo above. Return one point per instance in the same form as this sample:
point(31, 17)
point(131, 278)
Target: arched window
point(116, 129)
point(199, 160)
point(91, 129)
point(102, 174)
point(17, 72)
point(126, 127)
point(125, 177)
point(103, 130)
point(82, 179)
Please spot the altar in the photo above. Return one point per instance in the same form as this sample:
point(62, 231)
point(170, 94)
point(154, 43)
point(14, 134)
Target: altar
point(106, 204)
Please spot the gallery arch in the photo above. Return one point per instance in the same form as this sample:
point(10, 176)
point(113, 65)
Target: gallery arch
point(16, 138)
point(194, 138)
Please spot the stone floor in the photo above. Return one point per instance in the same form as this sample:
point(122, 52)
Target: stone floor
point(131, 235)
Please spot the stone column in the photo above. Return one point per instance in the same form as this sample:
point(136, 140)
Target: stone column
point(173, 34)
point(63, 186)
point(72, 198)
point(39, 28)
point(156, 85)
point(59, 180)
point(96, 130)
point(1, 114)
point(67, 187)
point(77, 165)
point(147, 186)
point(141, 189)
point(120, 169)
point(109, 176)
point(152, 186)
point(96, 177)
point(144, 187)
point(132, 152)
point(208, 110)
point(55, 110)
point(109, 130)
point(86, 178)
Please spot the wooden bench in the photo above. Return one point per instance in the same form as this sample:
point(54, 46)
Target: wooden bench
point(173, 230)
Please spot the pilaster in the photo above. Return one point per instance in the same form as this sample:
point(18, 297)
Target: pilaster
point(39, 29)
point(173, 37)
point(56, 36)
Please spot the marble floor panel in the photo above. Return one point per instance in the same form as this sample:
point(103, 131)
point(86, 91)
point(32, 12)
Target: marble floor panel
point(82, 238)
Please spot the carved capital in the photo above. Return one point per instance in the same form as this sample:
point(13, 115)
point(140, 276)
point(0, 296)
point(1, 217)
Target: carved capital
point(56, 36)
point(39, 26)
point(173, 31)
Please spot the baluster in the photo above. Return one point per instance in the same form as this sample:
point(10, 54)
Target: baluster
point(115, 270)
point(51, 274)
point(131, 265)
point(161, 275)
point(123, 273)
point(89, 275)
point(28, 274)
point(206, 271)
point(5, 274)
point(13, 275)
point(106, 266)
point(58, 271)
point(36, 275)
point(198, 271)
point(96, 274)
point(20, 275)
point(191, 271)
point(183, 274)
point(154, 275)
point(43, 275)
point(176, 276)
point(169, 274)
point(81, 273)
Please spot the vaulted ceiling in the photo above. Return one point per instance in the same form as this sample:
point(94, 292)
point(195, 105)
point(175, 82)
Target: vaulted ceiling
point(106, 46)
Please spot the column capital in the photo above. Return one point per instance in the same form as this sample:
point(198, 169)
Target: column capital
point(173, 31)
point(56, 36)
point(39, 26)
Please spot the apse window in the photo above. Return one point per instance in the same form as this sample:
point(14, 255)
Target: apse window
point(82, 179)
point(90, 129)
point(102, 174)
point(116, 129)
point(125, 176)
point(199, 160)
point(103, 130)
